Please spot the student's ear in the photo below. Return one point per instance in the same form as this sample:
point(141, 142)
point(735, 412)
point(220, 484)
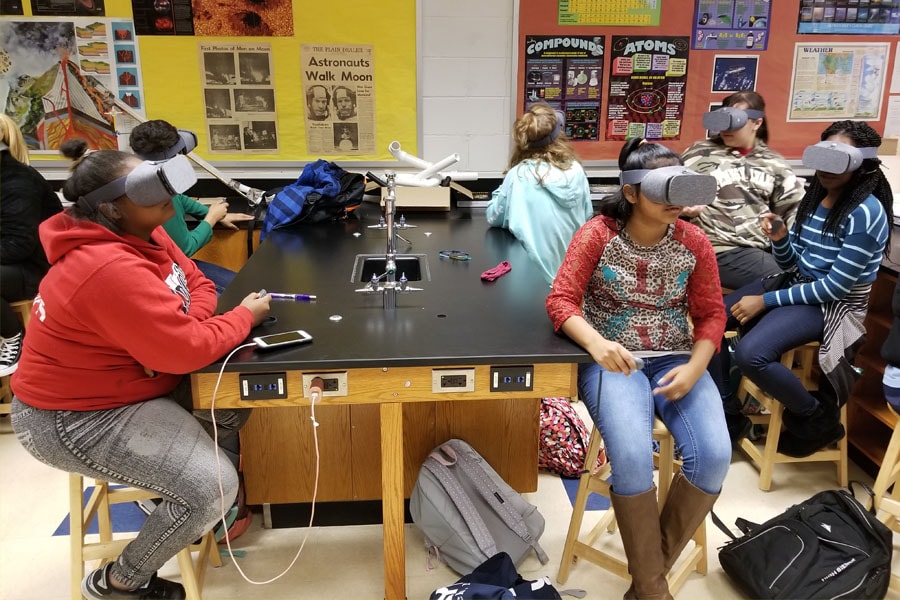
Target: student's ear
point(630, 193)
point(111, 211)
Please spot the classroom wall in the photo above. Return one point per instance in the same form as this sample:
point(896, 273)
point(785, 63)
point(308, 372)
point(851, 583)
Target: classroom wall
point(463, 61)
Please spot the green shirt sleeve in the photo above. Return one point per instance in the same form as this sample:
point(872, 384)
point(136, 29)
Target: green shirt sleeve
point(189, 240)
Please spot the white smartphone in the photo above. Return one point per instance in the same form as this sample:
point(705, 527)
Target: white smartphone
point(280, 340)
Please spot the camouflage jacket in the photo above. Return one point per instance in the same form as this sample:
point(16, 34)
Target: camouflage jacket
point(760, 181)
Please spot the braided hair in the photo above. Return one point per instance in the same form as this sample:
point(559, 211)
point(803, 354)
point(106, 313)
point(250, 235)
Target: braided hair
point(637, 153)
point(867, 180)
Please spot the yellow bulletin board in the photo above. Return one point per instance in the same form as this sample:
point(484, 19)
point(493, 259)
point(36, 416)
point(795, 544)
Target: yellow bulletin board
point(173, 74)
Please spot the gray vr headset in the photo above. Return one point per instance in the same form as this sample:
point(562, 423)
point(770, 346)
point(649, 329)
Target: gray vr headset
point(836, 157)
point(728, 118)
point(150, 183)
point(551, 137)
point(676, 185)
point(187, 141)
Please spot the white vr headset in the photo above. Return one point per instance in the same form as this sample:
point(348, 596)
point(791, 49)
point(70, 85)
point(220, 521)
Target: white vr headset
point(187, 141)
point(150, 183)
point(836, 157)
point(728, 118)
point(676, 185)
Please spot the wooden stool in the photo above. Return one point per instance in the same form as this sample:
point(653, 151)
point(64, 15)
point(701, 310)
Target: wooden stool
point(81, 515)
point(802, 360)
point(575, 548)
point(888, 506)
point(22, 308)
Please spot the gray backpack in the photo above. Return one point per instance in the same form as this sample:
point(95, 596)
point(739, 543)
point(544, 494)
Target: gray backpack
point(468, 513)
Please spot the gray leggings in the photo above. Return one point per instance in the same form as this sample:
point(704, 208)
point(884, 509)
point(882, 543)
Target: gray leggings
point(155, 445)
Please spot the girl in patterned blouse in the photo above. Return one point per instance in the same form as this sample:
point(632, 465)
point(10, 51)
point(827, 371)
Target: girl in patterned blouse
point(637, 281)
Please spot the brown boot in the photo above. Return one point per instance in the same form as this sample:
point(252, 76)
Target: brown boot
point(686, 507)
point(638, 519)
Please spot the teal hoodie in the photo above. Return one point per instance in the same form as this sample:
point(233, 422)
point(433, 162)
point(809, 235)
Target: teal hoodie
point(542, 216)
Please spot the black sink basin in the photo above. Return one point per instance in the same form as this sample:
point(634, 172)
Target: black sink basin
point(414, 266)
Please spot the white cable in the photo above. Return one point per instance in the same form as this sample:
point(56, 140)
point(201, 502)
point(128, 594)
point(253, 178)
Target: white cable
point(312, 511)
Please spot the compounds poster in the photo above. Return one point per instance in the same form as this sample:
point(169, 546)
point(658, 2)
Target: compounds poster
point(647, 87)
point(567, 73)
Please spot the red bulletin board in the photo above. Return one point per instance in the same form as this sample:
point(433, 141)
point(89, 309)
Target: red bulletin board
point(540, 17)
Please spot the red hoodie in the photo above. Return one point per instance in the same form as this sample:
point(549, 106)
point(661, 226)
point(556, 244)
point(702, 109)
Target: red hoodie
point(111, 308)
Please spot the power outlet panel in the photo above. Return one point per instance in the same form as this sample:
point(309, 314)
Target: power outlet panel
point(335, 383)
point(452, 380)
point(512, 379)
point(263, 386)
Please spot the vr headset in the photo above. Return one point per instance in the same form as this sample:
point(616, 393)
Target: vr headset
point(676, 185)
point(150, 183)
point(728, 118)
point(551, 137)
point(836, 157)
point(187, 141)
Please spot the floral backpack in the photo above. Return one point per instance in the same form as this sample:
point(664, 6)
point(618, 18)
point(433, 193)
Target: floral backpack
point(564, 439)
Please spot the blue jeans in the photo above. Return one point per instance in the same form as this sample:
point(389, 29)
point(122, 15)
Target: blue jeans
point(155, 445)
point(624, 407)
point(777, 330)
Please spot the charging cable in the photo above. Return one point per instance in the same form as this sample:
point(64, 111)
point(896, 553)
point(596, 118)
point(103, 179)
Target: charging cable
point(315, 392)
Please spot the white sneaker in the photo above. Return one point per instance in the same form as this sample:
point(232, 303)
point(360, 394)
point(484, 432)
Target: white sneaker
point(9, 354)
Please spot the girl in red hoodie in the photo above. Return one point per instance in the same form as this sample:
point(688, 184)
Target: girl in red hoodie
point(120, 318)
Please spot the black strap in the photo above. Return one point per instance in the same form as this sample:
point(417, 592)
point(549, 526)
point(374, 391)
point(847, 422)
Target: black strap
point(259, 212)
point(718, 522)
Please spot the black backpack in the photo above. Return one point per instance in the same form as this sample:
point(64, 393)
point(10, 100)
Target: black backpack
point(829, 546)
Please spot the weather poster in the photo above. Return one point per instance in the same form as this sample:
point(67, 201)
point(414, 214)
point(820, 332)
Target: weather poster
point(647, 87)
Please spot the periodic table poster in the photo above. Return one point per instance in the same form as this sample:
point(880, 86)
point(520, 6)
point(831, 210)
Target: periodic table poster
point(635, 13)
point(567, 73)
point(647, 87)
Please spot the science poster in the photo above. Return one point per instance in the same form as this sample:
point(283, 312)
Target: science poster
point(647, 87)
point(567, 73)
point(838, 81)
point(859, 17)
point(731, 24)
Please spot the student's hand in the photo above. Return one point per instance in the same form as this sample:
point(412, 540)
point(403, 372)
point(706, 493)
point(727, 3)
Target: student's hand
point(679, 381)
point(773, 226)
point(230, 220)
point(692, 211)
point(258, 305)
point(612, 356)
point(216, 213)
point(748, 307)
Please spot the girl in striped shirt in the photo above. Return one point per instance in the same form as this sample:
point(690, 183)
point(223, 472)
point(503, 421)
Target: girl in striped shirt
point(831, 256)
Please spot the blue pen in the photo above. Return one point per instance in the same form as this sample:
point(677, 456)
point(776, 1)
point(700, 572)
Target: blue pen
point(295, 297)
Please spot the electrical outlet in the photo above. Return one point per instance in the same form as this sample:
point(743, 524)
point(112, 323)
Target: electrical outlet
point(452, 380)
point(333, 384)
point(512, 379)
point(263, 386)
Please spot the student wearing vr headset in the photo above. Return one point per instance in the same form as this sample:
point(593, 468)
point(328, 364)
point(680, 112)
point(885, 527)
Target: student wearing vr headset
point(545, 196)
point(831, 257)
point(159, 140)
point(638, 281)
point(121, 316)
point(753, 179)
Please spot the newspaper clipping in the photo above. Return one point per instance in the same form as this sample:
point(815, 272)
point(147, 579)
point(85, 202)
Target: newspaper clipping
point(339, 90)
point(239, 98)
